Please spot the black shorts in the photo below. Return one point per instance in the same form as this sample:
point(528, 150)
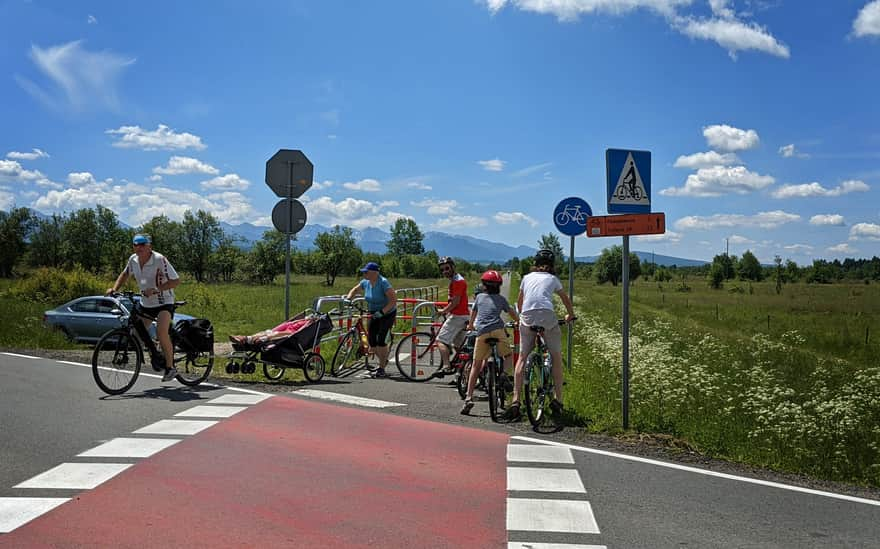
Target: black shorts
point(154, 311)
point(378, 329)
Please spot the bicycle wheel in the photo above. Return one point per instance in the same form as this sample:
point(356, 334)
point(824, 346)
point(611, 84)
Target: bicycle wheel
point(193, 367)
point(417, 356)
point(273, 371)
point(313, 367)
point(497, 394)
point(462, 381)
point(116, 361)
point(535, 390)
point(345, 355)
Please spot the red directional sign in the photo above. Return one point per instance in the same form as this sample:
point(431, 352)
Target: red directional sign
point(626, 224)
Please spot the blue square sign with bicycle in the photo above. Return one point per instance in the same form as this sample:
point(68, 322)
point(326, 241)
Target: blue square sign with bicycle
point(629, 181)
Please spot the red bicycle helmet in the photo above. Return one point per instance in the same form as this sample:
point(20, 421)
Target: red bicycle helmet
point(491, 277)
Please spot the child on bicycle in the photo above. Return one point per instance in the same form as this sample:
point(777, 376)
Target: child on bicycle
point(535, 304)
point(486, 320)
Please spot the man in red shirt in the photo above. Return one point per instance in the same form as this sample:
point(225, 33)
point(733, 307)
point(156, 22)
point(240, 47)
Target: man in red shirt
point(457, 314)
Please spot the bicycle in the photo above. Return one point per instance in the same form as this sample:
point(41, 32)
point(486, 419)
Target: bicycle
point(418, 358)
point(496, 381)
point(572, 213)
point(354, 344)
point(119, 354)
point(538, 381)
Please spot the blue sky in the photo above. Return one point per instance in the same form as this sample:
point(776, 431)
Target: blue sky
point(471, 117)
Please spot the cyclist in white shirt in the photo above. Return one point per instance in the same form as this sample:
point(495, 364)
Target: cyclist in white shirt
point(156, 279)
point(535, 304)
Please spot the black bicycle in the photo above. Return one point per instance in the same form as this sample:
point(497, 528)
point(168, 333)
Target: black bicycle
point(119, 354)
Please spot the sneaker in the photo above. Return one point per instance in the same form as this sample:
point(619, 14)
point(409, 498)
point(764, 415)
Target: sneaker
point(170, 374)
point(512, 413)
point(466, 408)
point(555, 408)
point(379, 373)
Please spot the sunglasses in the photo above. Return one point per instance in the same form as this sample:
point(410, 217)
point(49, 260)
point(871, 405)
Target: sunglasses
point(445, 269)
point(139, 245)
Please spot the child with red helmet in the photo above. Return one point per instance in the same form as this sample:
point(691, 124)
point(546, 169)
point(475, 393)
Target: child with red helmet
point(486, 320)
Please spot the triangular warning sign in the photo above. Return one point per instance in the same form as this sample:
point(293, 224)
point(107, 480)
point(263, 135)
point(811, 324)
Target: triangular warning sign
point(630, 188)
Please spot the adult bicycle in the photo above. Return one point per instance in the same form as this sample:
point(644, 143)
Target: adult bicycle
point(354, 347)
point(119, 354)
point(538, 382)
point(418, 357)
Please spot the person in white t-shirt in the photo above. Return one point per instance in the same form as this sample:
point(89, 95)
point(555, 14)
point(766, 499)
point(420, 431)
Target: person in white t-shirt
point(156, 279)
point(535, 304)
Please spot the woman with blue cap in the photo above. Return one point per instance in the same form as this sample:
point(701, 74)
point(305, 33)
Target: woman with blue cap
point(382, 303)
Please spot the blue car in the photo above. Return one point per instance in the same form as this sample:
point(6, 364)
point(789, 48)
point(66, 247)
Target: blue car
point(86, 319)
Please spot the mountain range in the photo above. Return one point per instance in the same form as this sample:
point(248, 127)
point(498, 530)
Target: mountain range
point(464, 247)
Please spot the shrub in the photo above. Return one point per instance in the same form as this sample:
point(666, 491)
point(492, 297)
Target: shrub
point(57, 285)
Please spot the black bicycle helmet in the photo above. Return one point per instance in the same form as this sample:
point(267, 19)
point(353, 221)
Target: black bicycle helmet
point(445, 260)
point(545, 257)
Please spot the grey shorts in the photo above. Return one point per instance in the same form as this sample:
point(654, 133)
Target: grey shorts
point(539, 317)
point(452, 332)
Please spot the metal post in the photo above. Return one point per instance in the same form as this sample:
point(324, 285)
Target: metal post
point(287, 281)
point(625, 269)
point(570, 295)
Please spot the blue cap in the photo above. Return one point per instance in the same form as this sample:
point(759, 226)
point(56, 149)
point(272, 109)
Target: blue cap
point(370, 267)
point(141, 239)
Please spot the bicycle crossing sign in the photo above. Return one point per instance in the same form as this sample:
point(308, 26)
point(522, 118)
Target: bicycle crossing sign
point(628, 175)
point(570, 216)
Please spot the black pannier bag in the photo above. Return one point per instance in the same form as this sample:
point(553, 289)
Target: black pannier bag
point(195, 335)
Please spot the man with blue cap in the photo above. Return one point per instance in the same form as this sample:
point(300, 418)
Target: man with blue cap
point(382, 303)
point(156, 279)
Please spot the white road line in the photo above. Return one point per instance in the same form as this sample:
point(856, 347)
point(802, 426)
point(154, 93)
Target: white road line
point(544, 480)
point(75, 476)
point(551, 515)
point(17, 511)
point(705, 472)
point(538, 453)
point(530, 545)
point(211, 411)
point(175, 427)
point(20, 356)
point(238, 399)
point(347, 399)
point(130, 447)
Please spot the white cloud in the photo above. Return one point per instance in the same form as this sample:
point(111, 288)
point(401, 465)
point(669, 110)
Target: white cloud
point(732, 34)
point(806, 190)
point(438, 207)
point(163, 137)
point(834, 220)
point(720, 180)
point(155, 178)
point(719, 8)
point(843, 248)
point(740, 240)
point(867, 23)
point(461, 222)
point(79, 78)
point(764, 220)
point(419, 186)
point(33, 155)
point(92, 20)
point(7, 200)
point(230, 181)
point(512, 218)
point(668, 236)
point(230, 207)
point(84, 192)
point(790, 151)
point(571, 10)
point(799, 248)
point(321, 185)
point(365, 185)
point(10, 170)
point(494, 165)
point(706, 160)
point(727, 138)
point(179, 165)
point(532, 169)
point(352, 212)
point(864, 231)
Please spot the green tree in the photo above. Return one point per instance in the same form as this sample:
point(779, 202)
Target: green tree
point(792, 271)
point(82, 240)
point(15, 226)
point(716, 276)
point(46, 243)
point(779, 274)
point(609, 266)
point(201, 235)
point(726, 262)
point(266, 259)
point(114, 241)
point(167, 238)
point(749, 267)
point(406, 238)
point(226, 260)
point(339, 252)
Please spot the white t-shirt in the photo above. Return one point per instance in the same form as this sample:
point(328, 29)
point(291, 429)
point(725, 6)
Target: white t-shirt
point(155, 271)
point(537, 289)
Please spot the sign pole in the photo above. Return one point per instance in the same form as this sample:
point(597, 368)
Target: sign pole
point(625, 269)
point(287, 280)
point(570, 296)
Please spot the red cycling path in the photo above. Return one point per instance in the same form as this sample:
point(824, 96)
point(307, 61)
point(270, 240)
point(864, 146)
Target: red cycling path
point(296, 473)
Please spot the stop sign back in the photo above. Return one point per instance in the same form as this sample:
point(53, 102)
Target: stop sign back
point(289, 173)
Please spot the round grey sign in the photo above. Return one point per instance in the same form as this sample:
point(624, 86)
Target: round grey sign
point(289, 216)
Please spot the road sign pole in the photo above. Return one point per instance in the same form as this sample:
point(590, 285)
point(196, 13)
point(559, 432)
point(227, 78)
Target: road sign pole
point(570, 295)
point(625, 270)
point(287, 280)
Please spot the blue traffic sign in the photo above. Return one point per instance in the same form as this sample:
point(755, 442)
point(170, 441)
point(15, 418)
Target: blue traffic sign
point(570, 216)
point(628, 174)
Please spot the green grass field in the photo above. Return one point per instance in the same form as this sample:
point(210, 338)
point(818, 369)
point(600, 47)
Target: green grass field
point(789, 381)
